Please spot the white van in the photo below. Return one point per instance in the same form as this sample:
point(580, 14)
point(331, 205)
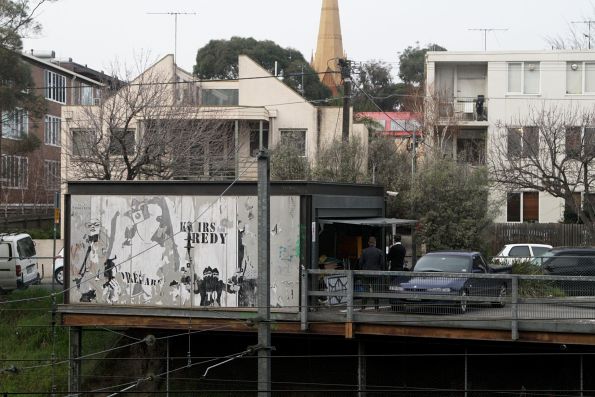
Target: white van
point(18, 261)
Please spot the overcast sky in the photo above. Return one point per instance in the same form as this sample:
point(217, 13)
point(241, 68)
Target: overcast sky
point(97, 32)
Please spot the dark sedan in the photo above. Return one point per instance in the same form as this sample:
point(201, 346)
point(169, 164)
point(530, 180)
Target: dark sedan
point(457, 268)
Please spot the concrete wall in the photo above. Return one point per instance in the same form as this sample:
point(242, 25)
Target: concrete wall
point(45, 251)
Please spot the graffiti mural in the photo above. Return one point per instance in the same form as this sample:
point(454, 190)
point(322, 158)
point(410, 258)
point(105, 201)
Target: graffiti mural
point(180, 251)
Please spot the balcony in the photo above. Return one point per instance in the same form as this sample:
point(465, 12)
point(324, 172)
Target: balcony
point(463, 109)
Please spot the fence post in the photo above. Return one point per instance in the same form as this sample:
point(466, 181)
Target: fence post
point(350, 289)
point(304, 300)
point(515, 308)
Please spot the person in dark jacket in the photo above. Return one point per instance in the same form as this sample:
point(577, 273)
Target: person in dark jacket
point(372, 259)
point(396, 255)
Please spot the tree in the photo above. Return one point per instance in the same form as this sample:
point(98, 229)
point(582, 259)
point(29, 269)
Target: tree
point(143, 131)
point(412, 63)
point(340, 161)
point(550, 150)
point(219, 60)
point(289, 164)
point(451, 202)
point(375, 89)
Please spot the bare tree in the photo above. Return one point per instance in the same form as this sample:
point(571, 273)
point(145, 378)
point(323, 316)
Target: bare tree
point(340, 161)
point(149, 128)
point(551, 150)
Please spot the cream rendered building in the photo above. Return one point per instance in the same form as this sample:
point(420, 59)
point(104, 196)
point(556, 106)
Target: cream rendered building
point(256, 96)
point(509, 86)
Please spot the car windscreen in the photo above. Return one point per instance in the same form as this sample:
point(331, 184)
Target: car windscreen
point(539, 259)
point(443, 263)
point(25, 247)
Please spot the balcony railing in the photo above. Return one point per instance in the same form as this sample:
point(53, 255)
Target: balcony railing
point(464, 109)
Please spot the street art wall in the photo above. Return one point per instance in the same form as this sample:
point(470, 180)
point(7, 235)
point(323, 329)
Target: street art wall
point(180, 251)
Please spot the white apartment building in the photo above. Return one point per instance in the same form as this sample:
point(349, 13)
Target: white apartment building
point(482, 93)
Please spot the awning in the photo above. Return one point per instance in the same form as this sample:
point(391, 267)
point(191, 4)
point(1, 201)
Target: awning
point(369, 221)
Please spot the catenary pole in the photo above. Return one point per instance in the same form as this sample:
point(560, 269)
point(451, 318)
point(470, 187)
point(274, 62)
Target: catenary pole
point(263, 286)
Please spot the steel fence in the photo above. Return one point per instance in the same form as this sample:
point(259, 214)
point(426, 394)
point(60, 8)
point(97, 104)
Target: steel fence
point(498, 301)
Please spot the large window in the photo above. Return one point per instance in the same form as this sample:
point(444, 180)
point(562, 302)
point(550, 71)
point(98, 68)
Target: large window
point(82, 142)
point(15, 170)
point(122, 139)
point(580, 77)
point(580, 141)
point(295, 139)
point(522, 207)
point(52, 174)
point(219, 97)
point(15, 124)
point(52, 130)
point(86, 95)
point(523, 141)
point(55, 87)
point(524, 78)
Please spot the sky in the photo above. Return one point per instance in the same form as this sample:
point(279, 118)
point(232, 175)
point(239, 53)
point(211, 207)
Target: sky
point(101, 33)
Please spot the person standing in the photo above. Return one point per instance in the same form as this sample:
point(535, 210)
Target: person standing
point(396, 255)
point(372, 259)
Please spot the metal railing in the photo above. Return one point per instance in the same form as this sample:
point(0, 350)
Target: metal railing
point(461, 300)
point(464, 109)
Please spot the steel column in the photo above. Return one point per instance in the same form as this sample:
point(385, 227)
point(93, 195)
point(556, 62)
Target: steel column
point(74, 375)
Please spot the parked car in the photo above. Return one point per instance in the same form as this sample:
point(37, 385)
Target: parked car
point(568, 261)
point(18, 261)
point(521, 252)
point(462, 263)
point(59, 267)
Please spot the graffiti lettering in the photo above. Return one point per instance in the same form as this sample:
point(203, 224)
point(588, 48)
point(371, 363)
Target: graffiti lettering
point(137, 278)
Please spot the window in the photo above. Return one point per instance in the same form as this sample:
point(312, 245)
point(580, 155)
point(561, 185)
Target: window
point(82, 142)
point(580, 77)
point(580, 141)
point(15, 171)
point(521, 251)
point(52, 130)
point(26, 247)
point(55, 87)
point(255, 137)
point(295, 139)
point(86, 95)
point(15, 124)
point(219, 97)
point(522, 206)
point(523, 141)
point(52, 174)
point(121, 140)
point(523, 77)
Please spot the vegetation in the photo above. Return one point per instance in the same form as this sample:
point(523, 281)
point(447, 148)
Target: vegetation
point(27, 342)
point(219, 60)
point(535, 288)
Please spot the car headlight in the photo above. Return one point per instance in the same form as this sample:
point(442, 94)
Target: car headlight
point(439, 290)
point(396, 288)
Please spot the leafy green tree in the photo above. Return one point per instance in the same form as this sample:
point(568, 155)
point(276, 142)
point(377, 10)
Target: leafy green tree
point(412, 61)
point(16, 83)
point(451, 202)
point(383, 94)
point(219, 60)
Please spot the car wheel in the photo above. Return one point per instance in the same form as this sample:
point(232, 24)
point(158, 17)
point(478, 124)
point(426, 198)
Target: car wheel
point(59, 276)
point(501, 296)
point(464, 303)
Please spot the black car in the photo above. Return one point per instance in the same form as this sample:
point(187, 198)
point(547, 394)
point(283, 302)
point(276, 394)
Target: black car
point(568, 261)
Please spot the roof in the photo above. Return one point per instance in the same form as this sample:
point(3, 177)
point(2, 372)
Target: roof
point(61, 69)
point(379, 221)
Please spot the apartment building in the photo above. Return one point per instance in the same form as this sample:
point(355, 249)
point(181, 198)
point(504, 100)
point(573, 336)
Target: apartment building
point(482, 98)
point(30, 161)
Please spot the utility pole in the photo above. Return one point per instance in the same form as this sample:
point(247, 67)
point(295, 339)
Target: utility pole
point(345, 66)
point(485, 35)
point(175, 15)
point(264, 271)
point(588, 22)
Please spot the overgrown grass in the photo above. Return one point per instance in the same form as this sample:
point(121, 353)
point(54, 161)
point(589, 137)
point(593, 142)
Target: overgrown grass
point(27, 341)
